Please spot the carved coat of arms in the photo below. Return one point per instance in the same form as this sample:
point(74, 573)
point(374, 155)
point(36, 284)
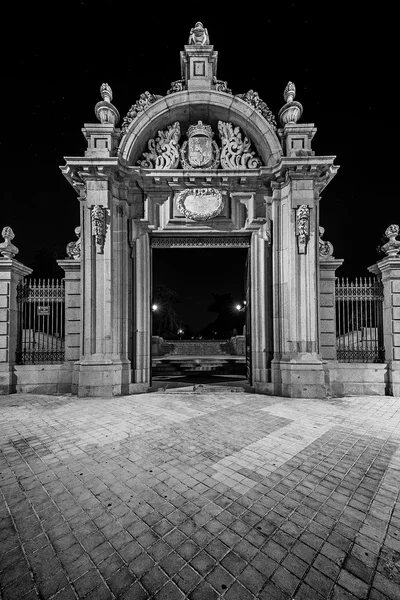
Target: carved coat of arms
point(200, 151)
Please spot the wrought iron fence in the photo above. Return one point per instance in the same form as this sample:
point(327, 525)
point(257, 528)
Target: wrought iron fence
point(41, 322)
point(359, 320)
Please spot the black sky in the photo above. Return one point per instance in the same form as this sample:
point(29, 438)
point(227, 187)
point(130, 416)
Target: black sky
point(342, 58)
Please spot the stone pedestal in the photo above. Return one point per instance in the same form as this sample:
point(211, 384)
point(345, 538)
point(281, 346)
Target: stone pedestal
point(389, 270)
point(11, 273)
point(327, 278)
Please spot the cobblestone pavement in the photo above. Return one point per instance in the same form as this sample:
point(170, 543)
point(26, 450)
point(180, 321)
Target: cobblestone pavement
point(200, 494)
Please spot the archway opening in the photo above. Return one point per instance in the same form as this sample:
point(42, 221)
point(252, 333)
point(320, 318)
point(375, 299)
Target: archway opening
point(198, 316)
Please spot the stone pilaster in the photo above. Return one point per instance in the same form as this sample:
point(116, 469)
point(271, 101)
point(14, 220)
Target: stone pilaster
point(72, 269)
point(297, 368)
point(327, 278)
point(11, 273)
point(389, 269)
point(104, 367)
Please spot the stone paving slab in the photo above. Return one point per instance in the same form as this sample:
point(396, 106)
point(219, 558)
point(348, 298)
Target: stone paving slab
point(201, 494)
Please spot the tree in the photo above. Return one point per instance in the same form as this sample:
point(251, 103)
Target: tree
point(166, 321)
point(228, 320)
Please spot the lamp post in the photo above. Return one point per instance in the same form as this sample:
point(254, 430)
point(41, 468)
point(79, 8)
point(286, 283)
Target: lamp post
point(180, 333)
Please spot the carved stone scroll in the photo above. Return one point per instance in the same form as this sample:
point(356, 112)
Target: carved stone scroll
point(163, 150)
point(176, 86)
point(302, 227)
point(236, 151)
point(325, 248)
point(221, 86)
point(98, 224)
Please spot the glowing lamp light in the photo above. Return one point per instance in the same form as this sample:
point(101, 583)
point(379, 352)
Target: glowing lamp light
point(238, 307)
point(154, 307)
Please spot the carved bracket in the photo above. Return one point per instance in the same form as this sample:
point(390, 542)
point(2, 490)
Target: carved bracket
point(98, 224)
point(302, 227)
point(325, 248)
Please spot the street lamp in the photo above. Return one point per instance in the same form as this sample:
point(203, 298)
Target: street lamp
point(154, 307)
point(180, 333)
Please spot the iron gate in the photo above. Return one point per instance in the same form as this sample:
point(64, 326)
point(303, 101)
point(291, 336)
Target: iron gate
point(41, 322)
point(359, 320)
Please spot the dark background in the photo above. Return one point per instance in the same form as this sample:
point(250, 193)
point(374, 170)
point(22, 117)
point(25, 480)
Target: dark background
point(342, 58)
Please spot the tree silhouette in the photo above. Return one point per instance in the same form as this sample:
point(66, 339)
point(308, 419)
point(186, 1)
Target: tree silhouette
point(229, 319)
point(166, 321)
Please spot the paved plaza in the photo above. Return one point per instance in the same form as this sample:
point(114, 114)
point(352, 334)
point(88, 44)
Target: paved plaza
point(199, 493)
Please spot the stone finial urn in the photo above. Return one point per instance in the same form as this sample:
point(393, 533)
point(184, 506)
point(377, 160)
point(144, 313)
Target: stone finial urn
point(392, 247)
point(7, 249)
point(292, 110)
point(105, 111)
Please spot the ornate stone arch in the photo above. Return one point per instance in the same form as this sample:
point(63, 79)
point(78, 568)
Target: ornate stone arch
point(188, 107)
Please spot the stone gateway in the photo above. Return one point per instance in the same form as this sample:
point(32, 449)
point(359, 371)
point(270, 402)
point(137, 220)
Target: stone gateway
point(199, 166)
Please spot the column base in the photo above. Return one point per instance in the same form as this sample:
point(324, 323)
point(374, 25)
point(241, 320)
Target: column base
point(102, 377)
point(7, 379)
point(302, 376)
point(394, 378)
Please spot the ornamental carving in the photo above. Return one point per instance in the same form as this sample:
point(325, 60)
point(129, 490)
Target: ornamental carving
point(74, 248)
point(145, 100)
point(199, 35)
point(200, 151)
point(200, 204)
point(236, 151)
point(163, 150)
point(325, 248)
point(253, 99)
point(176, 86)
point(232, 150)
point(302, 227)
point(392, 247)
point(221, 86)
point(7, 248)
point(98, 224)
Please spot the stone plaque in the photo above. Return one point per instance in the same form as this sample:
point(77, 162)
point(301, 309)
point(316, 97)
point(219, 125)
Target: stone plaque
point(200, 204)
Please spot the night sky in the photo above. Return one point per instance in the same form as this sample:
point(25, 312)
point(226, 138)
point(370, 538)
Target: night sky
point(344, 66)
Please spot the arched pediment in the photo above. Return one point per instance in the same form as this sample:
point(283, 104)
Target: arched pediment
point(208, 106)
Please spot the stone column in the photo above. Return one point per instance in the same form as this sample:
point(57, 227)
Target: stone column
point(327, 308)
point(72, 269)
point(297, 368)
point(12, 273)
point(141, 360)
point(261, 311)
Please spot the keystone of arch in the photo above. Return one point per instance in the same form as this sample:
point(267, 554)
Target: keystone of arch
point(204, 105)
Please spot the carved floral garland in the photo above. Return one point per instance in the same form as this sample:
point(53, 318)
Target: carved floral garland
point(252, 98)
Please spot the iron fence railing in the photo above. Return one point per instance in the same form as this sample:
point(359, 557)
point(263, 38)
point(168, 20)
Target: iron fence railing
point(41, 322)
point(359, 320)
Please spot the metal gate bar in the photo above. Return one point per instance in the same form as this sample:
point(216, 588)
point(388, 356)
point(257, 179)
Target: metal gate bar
point(41, 322)
point(359, 320)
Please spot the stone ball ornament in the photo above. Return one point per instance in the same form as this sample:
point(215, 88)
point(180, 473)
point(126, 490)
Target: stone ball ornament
point(200, 204)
